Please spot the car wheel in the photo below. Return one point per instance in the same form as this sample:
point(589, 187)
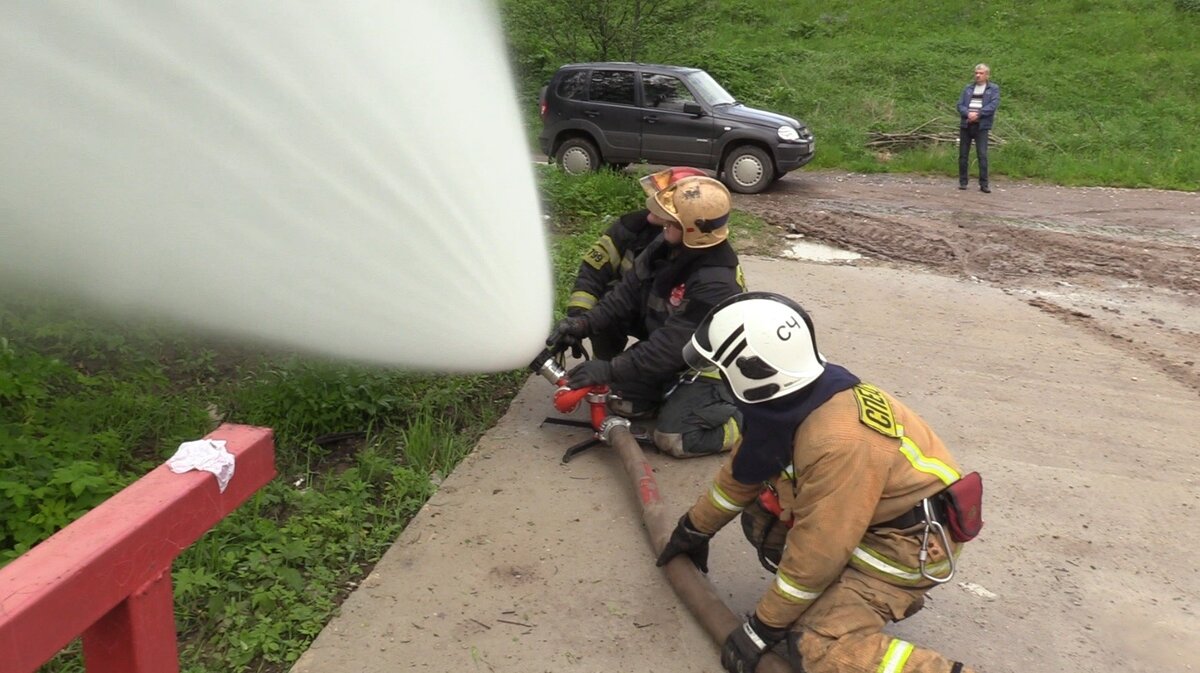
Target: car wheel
point(748, 170)
point(577, 156)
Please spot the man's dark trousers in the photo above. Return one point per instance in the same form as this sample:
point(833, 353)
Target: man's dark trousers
point(966, 134)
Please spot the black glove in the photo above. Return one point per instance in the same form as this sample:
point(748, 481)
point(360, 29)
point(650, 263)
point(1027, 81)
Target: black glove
point(568, 332)
point(686, 540)
point(747, 643)
point(590, 373)
point(576, 346)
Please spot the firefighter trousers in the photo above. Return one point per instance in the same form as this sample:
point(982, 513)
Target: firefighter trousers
point(698, 418)
point(842, 631)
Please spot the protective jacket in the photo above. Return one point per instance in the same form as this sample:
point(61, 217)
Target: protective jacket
point(662, 299)
point(991, 101)
point(859, 460)
point(610, 257)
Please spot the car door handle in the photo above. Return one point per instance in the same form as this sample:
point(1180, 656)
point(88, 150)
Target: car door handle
point(650, 119)
point(591, 113)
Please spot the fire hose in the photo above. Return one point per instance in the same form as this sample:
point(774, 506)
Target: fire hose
point(691, 585)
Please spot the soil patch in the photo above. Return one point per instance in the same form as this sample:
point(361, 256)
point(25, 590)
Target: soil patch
point(1120, 262)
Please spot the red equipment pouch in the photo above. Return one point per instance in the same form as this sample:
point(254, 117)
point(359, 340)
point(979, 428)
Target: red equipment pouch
point(769, 501)
point(964, 507)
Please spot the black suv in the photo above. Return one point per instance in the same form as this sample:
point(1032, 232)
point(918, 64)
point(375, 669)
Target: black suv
point(617, 113)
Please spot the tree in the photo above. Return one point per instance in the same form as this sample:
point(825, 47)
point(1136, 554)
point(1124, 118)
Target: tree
point(544, 34)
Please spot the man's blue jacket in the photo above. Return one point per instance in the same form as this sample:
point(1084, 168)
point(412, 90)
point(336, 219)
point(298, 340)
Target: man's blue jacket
point(991, 101)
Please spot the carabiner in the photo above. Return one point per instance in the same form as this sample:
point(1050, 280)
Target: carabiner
point(685, 379)
point(923, 556)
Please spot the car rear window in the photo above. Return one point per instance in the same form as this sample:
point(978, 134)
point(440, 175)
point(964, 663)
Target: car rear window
point(612, 86)
point(573, 85)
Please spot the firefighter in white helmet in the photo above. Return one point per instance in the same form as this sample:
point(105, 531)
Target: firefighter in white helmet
point(678, 278)
point(847, 494)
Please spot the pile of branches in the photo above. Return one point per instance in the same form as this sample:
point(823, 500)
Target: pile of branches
point(922, 135)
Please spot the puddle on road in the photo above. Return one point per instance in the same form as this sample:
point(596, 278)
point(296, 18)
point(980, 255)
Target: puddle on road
point(817, 252)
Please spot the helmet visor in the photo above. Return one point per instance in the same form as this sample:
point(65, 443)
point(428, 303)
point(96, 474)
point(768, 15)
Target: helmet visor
point(695, 359)
point(660, 180)
point(662, 204)
point(655, 182)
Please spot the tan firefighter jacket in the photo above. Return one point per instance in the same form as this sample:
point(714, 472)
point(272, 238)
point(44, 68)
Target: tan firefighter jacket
point(860, 459)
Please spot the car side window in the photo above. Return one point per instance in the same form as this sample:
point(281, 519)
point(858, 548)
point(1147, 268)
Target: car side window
point(573, 85)
point(665, 92)
point(612, 86)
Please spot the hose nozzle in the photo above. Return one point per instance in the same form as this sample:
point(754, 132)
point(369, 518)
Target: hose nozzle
point(545, 365)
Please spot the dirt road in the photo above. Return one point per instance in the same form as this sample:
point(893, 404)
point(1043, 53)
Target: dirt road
point(1119, 262)
point(1048, 335)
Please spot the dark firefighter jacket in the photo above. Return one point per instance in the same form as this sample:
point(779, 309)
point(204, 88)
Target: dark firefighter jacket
point(609, 257)
point(663, 299)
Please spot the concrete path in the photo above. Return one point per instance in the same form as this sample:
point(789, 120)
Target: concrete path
point(1087, 562)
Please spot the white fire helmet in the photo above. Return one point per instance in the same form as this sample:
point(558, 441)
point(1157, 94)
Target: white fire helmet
point(700, 205)
point(762, 342)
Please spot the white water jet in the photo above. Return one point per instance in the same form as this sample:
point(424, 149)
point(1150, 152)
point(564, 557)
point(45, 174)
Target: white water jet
point(348, 178)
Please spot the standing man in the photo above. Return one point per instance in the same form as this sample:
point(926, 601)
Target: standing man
point(848, 496)
point(977, 109)
point(689, 268)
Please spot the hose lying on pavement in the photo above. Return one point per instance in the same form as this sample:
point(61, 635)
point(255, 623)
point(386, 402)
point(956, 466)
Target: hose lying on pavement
point(689, 583)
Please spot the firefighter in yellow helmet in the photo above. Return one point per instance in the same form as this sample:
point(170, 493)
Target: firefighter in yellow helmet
point(688, 269)
point(847, 494)
point(613, 254)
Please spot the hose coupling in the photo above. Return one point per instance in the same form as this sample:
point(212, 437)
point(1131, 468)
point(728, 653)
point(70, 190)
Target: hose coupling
point(604, 433)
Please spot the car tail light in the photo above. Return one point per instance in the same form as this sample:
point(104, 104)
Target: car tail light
point(542, 108)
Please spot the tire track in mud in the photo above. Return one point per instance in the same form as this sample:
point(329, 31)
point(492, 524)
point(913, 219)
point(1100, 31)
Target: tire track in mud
point(995, 249)
point(1026, 252)
point(1182, 370)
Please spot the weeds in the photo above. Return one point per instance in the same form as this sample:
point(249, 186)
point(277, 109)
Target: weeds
point(89, 404)
point(850, 68)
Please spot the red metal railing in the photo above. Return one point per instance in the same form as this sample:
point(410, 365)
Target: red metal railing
point(108, 574)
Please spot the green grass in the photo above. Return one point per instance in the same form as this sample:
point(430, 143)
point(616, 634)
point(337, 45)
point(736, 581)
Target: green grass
point(89, 403)
point(1094, 92)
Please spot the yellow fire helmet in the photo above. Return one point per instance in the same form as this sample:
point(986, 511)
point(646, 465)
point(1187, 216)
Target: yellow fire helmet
point(660, 180)
point(700, 205)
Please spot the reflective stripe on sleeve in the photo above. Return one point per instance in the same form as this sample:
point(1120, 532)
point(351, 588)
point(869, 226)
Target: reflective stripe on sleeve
point(723, 502)
point(732, 434)
point(895, 657)
point(925, 464)
point(874, 563)
point(581, 299)
point(792, 591)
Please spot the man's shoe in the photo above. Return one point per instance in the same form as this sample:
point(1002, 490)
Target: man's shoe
point(962, 185)
point(985, 189)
